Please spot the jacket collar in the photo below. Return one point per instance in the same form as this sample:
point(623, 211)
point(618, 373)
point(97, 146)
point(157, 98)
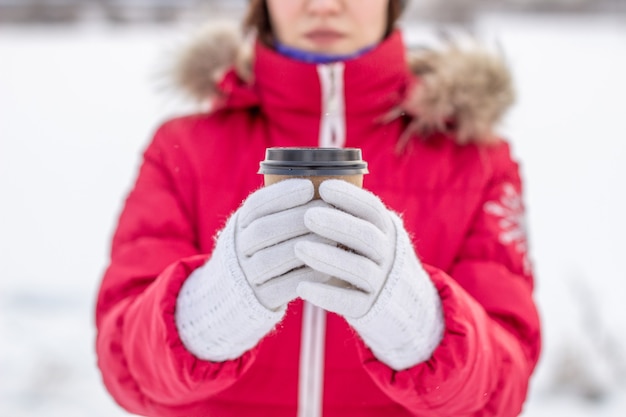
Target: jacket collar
point(295, 96)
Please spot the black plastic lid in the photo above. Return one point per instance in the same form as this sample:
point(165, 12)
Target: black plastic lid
point(313, 161)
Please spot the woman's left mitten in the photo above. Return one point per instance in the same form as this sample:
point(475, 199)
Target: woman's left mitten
point(378, 284)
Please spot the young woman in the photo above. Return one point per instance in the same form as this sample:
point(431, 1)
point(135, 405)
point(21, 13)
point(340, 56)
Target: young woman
point(211, 307)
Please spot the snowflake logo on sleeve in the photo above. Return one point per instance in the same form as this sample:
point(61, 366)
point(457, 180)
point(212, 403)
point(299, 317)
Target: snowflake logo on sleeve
point(509, 209)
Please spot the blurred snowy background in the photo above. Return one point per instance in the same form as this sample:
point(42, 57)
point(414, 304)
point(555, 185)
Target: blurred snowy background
point(81, 91)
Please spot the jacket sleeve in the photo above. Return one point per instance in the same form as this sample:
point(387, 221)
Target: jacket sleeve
point(143, 362)
point(491, 341)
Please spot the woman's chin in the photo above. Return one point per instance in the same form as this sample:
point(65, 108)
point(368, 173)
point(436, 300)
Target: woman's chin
point(327, 47)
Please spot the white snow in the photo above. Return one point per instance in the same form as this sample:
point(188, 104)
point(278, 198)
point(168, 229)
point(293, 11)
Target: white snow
point(78, 104)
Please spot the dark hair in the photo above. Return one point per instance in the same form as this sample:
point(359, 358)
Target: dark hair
point(257, 19)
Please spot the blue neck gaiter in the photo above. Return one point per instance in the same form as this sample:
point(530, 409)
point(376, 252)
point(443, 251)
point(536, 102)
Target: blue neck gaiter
point(316, 57)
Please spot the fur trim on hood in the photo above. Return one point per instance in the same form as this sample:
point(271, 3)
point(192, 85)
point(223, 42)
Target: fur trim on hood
point(460, 86)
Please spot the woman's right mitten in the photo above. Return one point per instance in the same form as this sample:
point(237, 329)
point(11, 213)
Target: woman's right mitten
point(239, 295)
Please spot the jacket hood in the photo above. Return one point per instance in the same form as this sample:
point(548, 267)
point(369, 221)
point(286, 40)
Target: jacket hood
point(459, 86)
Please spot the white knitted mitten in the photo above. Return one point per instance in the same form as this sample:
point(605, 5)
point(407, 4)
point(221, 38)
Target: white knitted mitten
point(379, 284)
point(226, 306)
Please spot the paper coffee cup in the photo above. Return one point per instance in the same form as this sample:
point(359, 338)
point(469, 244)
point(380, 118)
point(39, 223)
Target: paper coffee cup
point(315, 164)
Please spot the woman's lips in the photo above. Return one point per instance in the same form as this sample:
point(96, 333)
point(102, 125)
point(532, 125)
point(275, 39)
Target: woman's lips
point(324, 36)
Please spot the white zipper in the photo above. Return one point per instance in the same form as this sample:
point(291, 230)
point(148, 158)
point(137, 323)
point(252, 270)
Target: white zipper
point(333, 121)
point(332, 135)
point(311, 378)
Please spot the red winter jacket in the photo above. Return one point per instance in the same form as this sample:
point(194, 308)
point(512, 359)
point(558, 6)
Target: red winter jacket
point(460, 203)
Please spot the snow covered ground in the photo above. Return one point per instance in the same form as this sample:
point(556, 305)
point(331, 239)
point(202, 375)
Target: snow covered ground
point(78, 104)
